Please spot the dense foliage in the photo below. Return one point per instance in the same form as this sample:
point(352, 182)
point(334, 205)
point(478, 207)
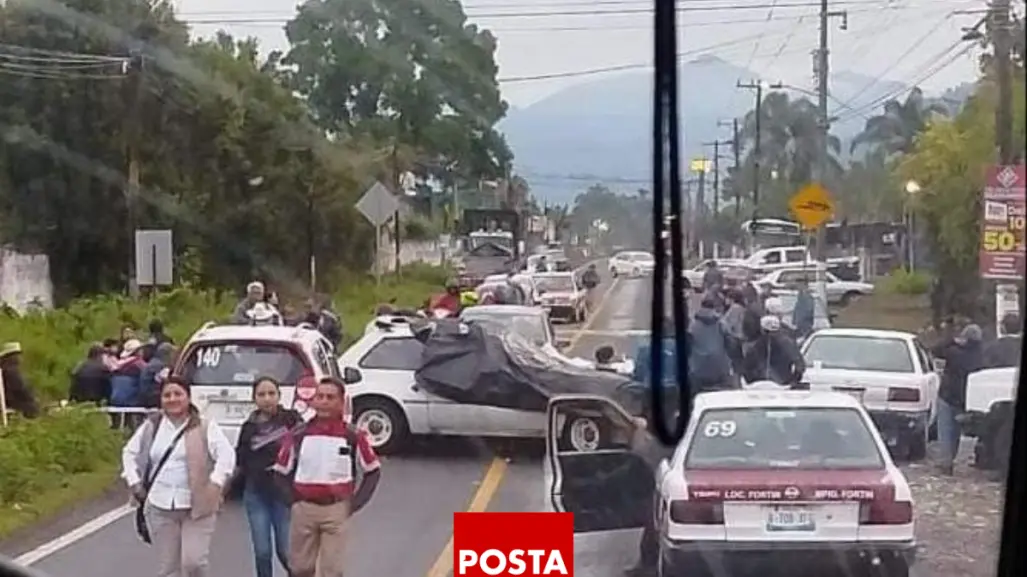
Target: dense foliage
point(241, 156)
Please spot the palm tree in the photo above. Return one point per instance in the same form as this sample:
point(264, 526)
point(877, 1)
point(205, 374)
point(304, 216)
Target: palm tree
point(895, 130)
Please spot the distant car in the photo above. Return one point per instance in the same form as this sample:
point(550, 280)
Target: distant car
point(562, 295)
point(632, 264)
point(889, 372)
point(391, 407)
point(730, 267)
point(761, 478)
point(839, 292)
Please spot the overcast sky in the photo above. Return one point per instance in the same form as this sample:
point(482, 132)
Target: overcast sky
point(902, 40)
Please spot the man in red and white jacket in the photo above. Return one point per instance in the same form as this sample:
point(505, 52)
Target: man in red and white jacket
point(331, 472)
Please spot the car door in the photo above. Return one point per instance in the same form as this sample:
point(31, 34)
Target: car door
point(607, 489)
point(389, 367)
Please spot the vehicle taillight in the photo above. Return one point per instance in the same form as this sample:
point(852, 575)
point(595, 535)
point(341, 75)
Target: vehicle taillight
point(903, 395)
point(696, 513)
point(886, 513)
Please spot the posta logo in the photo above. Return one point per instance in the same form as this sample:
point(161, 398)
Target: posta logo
point(513, 544)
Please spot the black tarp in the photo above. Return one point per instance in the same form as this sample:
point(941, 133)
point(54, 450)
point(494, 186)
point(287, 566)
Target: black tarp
point(466, 364)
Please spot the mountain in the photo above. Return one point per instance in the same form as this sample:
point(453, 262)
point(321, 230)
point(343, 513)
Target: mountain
point(600, 130)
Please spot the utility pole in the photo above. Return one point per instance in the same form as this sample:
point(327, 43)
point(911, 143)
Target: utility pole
point(758, 86)
point(396, 185)
point(1001, 26)
point(716, 144)
point(822, 70)
point(136, 87)
point(736, 151)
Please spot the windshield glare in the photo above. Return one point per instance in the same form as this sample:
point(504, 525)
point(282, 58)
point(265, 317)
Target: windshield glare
point(555, 284)
point(782, 438)
point(859, 353)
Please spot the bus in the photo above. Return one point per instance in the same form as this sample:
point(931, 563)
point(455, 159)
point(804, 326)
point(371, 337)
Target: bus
point(770, 232)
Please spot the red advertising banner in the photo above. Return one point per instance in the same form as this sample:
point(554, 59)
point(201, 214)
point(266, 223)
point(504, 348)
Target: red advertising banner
point(1002, 225)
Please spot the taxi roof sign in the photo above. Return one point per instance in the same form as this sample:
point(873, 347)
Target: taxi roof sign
point(812, 205)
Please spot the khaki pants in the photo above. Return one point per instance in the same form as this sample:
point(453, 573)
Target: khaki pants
point(317, 539)
point(182, 543)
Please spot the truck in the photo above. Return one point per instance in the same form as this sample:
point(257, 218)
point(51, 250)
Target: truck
point(491, 242)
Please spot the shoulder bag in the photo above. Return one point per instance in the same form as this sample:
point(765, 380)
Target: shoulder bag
point(141, 527)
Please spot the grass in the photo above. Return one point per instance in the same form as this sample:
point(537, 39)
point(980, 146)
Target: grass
point(74, 490)
point(898, 312)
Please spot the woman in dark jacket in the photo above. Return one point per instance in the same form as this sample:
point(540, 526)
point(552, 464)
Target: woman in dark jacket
point(267, 509)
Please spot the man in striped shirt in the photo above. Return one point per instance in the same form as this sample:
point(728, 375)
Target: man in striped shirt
point(331, 472)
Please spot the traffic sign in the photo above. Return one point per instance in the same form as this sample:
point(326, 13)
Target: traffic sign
point(378, 204)
point(812, 205)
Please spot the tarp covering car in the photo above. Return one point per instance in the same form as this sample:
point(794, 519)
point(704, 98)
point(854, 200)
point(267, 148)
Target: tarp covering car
point(466, 364)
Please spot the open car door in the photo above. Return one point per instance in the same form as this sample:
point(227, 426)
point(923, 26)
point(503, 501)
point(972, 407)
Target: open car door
point(607, 488)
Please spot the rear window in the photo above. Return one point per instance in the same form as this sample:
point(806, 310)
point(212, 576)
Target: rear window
point(859, 353)
point(783, 438)
point(240, 363)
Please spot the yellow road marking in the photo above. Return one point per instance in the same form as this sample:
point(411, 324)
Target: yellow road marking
point(486, 491)
point(497, 469)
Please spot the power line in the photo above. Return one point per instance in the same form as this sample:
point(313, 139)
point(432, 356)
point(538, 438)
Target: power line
point(756, 45)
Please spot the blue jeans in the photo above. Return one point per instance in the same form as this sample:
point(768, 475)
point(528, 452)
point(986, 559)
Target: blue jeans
point(949, 431)
point(267, 516)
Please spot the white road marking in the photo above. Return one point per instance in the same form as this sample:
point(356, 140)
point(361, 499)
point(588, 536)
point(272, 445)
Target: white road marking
point(74, 536)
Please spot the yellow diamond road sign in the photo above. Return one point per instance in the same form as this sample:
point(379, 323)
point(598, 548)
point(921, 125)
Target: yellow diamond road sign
point(812, 205)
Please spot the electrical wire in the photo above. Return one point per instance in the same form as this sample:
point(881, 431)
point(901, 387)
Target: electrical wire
point(756, 45)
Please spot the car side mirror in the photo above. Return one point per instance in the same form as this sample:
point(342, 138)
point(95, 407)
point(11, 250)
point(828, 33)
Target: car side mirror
point(351, 376)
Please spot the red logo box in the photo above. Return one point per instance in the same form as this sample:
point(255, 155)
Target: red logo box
point(513, 544)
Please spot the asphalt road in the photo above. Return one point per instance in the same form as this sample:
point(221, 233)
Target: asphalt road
point(406, 529)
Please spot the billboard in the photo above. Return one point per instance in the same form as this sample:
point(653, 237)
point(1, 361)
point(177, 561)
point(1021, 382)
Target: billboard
point(1004, 208)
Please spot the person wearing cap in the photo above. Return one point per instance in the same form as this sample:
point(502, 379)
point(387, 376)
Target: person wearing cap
point(18, 396)
point(773, 356)
point(963, 355)
point(177, 466)
point(125, 376)
point(254, 294)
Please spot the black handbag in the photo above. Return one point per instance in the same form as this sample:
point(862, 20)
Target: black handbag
point(141, 527)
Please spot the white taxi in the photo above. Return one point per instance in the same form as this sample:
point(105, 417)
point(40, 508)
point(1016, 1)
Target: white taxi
point(890, 372)
point(223, 362)
point(761, 478)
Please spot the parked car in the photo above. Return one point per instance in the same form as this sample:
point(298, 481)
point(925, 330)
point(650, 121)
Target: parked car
point(839, 292)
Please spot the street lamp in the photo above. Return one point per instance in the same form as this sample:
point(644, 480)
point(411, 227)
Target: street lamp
point(912, 189)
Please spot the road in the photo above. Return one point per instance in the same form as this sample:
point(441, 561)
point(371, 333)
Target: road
point(403, 533)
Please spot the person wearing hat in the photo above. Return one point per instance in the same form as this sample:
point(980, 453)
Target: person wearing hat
point(125, 376)
point(18, 396)
point(963, 355)
point(254, 294)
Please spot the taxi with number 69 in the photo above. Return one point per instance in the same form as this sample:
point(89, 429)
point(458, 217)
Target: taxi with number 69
point(223, 362)
point(762, 479)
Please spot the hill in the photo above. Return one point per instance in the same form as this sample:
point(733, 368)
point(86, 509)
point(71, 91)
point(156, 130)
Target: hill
point(600, 130)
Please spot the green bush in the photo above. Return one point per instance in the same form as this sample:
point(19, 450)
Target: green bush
point(904, 282)
point(55, 341)
point(39, 455)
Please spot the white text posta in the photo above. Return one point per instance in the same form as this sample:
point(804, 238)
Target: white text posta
point(496, 562)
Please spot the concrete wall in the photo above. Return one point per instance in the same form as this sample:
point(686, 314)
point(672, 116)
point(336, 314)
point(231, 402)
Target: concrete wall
point(25, 280)
point(430, 252)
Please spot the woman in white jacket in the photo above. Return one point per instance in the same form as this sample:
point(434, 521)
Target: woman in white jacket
point(177, 466)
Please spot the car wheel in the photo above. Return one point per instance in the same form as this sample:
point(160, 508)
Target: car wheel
point(848, 298)
point(584, 435)
point(917, 449)
point(384, 422)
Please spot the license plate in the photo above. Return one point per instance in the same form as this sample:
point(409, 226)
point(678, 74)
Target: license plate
point(783, 518)
point(232, 410)
point(854, 393)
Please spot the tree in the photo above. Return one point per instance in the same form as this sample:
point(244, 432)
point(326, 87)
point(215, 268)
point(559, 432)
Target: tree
point(628, 217)
point(867, 192)
point(411, 71)
point(896, 128)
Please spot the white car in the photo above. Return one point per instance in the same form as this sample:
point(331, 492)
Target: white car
point(694, 275)
point(760, 478)
point(562, 295)
point(222, 363)
point(632, 264)
point(391, 407)
point(890, 372)
point(839, 292)
point(990, 398)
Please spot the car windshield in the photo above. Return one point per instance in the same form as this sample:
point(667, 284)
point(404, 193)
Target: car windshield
point(555, 284)
point(862, 353)
point(783, 438)
point(240, 363)
point(531, 327)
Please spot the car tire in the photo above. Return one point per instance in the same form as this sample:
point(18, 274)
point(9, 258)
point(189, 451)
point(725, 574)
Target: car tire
point(848, 298)
point(382, 412)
